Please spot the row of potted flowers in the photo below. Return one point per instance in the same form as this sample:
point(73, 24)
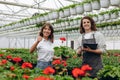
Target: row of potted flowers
point(103, 16)
point(72, 8)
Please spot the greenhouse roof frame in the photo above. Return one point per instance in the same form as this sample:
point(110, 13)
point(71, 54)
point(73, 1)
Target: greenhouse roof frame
point(27, 8)
point(17, 11)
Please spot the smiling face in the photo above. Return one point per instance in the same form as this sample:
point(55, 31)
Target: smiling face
point(46, 31)
point(86, 25)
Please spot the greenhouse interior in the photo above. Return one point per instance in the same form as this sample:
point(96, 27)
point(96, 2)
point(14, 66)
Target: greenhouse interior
point(21, 21)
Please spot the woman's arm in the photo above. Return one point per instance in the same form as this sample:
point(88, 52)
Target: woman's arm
point(97, 51)
point(32, 49)
point(55, 57)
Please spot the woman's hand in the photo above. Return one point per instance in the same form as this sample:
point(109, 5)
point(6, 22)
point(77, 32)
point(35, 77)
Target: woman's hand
point(79, 50)
point(39, 38)
point(86, 49)
point(55, 57)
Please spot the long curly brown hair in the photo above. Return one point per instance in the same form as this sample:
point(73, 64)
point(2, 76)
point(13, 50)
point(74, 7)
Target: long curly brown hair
point(92, 22)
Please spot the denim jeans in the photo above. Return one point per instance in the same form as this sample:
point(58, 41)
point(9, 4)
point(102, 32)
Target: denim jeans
point(42, 65)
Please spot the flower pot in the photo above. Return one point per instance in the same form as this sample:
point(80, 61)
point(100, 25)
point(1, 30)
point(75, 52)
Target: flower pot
point(66, 23)
point(104, 3)
point(50, 16)
point(31, 21)
point(38, 20)
point(107, 16)
point(73, 11)
point(42, 19)
point(62, 24)
point(75, 22)
point(71, 23)
point(46, 17)
point(95, 19)
point(101, 17)
point(115, 2)
point(95, 5)
point(114, 15)
point(79, 9)
point(67, 12)
point(55, 15)
point(109, 20)
point(27, 23)
point(87, 7)
point(61, 14)
point(109, 27)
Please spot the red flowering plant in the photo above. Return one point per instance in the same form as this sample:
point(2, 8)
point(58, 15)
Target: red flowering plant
point(9, 57)
point(48, 70)
point(62, 39)
point(25, 76)
point(17, 60)
point(43, 78)
point(5, 64)
point(1, 55)
point(65, 52)
point(81, 72)
point(26, 66)
point(60, 66)
point(12, 68)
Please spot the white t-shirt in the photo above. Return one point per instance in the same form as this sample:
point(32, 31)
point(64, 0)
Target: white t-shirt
point(88, 35)
point(99, 37)
point(45, 50)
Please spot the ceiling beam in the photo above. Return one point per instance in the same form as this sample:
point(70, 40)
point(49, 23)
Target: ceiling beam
point(1, 13)
point(25, 5)
point(6, 20)
point(73, 1)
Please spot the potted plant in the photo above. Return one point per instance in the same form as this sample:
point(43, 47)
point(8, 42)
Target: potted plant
point(104, 3)
point(87, 5)
point(95, 4)
point(79, 8)
point(61, 13)
point(115, 2)
point(73, 9)
point(66, 11)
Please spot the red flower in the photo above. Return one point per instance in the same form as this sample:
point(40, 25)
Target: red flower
point(86, 67)
point(116, 54)
point(42, 78)
point(4, 61)
point(17, 59)
point(48, 70)
point(12, 68)
point(64, 63)
point(56, 62)
point(26, 65)
point(63, 39)
point(1, 55)
point(9, 57)
point(77, 72)
point(26, 76)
